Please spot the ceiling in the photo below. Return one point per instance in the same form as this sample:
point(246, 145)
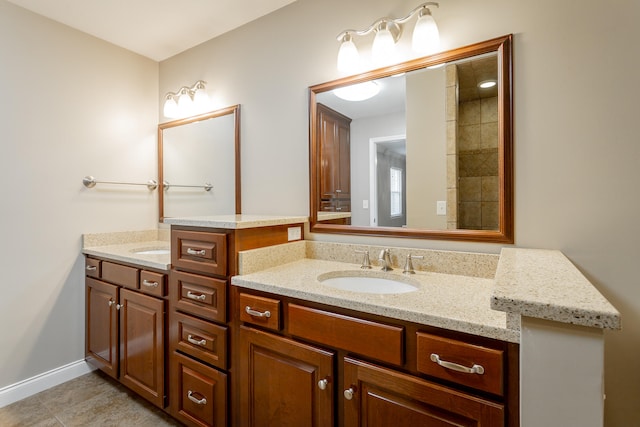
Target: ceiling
point(157, 29)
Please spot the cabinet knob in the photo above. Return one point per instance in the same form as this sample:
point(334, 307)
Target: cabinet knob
point(348, 393)
point(111, 302)
point(323, 383)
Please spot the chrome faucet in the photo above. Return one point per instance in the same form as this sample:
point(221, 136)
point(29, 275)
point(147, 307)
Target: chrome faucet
point(408, 266)
point(386, 260)
point(365, 259)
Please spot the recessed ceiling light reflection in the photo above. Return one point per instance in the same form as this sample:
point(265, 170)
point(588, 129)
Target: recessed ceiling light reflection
point(358, 92)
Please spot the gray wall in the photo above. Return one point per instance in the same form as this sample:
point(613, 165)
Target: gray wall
point(71, 105)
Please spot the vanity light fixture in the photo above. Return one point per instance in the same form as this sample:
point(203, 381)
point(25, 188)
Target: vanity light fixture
point(186, 101)
point(426, 39)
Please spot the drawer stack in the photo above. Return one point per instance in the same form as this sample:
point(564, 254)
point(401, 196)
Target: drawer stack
point(198, 330)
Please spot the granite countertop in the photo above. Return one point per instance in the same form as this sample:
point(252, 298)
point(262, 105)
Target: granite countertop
point(527, 282)
point(236, 221)
point(545, 284)
point(449, 301)
point(326, 216)
point(123, 247)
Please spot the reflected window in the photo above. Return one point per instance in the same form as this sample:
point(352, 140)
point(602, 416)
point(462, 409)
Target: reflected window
point(395, 175)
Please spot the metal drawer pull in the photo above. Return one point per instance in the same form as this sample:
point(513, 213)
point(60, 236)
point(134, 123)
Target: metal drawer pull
point(475, 369)
point(91, 268)
point(192, 340)
point(202, 401)
point(200, 297)
point(150, 284)
point(201, 252)
point(348, 393)
point(256, 313)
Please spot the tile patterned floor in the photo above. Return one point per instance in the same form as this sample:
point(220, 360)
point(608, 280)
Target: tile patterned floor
point(90, 400)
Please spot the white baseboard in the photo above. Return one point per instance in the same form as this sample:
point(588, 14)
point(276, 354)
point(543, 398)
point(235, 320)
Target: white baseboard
point(20, 390)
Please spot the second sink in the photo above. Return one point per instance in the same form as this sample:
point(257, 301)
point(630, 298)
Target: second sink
point(367, 282)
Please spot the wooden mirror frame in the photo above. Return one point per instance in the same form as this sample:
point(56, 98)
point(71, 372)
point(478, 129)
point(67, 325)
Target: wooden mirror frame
point(235, 110)
point(504, 233)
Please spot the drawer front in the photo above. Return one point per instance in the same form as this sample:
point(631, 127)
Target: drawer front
point(153, 283)
point(260, 311)
point(467, 364)
point(200, 397)
point(120, 275)
point(199, 251)
point(199, 295)
point(375, 340)
point(200, 339)
point(93, 267)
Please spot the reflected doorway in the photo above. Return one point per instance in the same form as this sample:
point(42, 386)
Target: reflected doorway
point(387, 192)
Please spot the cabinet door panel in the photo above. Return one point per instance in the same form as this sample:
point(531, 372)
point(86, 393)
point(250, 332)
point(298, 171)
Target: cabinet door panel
point(382, 397)
point(279, 382)
point(142, 345)
point(102, 326)
point(200, 394)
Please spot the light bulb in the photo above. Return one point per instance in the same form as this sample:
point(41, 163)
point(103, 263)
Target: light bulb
point(348, 57)
point(170, 109)
point(383, 47)
point(185, 104)
point(200, 101)
point(426, 37)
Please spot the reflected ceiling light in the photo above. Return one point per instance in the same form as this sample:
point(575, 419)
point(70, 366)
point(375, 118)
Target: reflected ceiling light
point(425, 40)
point(186, 101)
point(487, 84)
point(358, 92)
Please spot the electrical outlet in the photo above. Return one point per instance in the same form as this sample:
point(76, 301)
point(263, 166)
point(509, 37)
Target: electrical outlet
point(294, 233)
point(441, 207)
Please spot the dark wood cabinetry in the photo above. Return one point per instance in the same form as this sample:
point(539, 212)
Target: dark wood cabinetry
point(284, 382)
point(125, 329)
point(334, 135)
point(362, 370)
point(203, 379)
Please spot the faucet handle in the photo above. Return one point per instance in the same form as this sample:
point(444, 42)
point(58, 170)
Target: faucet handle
point(366, 263)
point(408, 265)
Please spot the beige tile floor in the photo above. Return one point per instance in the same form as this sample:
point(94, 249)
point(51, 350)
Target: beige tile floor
point(90, 400)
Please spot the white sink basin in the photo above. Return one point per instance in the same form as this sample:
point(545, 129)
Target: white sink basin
point(367, 282)
point(152, 252)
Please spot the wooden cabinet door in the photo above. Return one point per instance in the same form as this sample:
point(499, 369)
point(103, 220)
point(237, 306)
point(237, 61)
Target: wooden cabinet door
point(380, 397)
point(334, 133)
point(142, 345)
point(102, 326)
point(283, 382)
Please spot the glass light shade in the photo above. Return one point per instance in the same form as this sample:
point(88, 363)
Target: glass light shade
point(170, 109)
point(200, 101)
point(426, 37)
point(358, 92)
point(185, 105)
point(383, 47)
point(348, 57)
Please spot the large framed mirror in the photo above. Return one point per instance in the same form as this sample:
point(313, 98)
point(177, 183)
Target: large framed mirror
point(429, 155)
point(199, 165)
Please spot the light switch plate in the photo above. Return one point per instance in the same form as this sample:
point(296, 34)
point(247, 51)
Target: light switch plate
point(365, 204)
point(441, 207)
point(294, 233)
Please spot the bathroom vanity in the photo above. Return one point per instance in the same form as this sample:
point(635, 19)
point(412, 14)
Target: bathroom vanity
point(251, 330)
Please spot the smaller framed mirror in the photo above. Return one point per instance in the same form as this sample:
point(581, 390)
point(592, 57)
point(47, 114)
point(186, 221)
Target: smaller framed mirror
point(199, 165)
